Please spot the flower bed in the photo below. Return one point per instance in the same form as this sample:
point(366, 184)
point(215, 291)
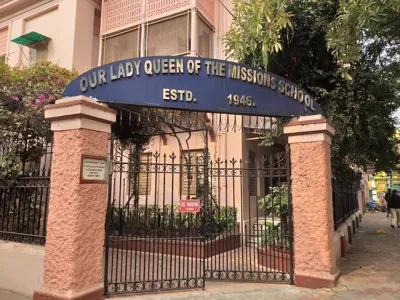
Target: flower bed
point(187, 247)
point(274, 258)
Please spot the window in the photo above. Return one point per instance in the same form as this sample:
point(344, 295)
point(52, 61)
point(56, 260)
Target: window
point(3, 42)
point(192, 174)
point(169, 37)
point(204, 38)
point(252, 174)
point(38, 52)
point(121, 46)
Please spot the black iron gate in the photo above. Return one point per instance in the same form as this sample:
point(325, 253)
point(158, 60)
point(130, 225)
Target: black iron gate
point(175, 221)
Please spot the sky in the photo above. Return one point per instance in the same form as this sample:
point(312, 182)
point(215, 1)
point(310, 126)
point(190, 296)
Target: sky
point(396, 114)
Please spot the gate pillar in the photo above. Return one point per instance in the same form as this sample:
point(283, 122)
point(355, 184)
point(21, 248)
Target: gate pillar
point(73, 266)
point(309, 138)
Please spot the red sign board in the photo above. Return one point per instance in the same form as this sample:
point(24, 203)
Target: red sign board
point(190, 206)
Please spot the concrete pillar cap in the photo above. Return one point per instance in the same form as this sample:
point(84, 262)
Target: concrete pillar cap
point(309, 129)
point(80, 112)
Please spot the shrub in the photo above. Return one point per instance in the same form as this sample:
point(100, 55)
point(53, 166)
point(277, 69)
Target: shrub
point(275, 236)
point(23, 130)
point(168, 221)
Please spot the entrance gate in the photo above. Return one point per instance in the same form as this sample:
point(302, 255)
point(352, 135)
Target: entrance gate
point(177, 220)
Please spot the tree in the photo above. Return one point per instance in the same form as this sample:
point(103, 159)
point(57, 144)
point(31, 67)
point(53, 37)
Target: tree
point(255, 30)
point(23, 130)
point(359, 21)
point(361, 109)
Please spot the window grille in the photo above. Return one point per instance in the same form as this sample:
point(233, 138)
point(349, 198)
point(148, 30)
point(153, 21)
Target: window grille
point(121, 46)
point(169, 37)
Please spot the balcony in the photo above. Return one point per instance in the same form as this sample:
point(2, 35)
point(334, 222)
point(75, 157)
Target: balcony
point(122, 14)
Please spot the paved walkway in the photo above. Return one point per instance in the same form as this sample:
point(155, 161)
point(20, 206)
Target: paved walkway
point(4, 295)
point(371, 270)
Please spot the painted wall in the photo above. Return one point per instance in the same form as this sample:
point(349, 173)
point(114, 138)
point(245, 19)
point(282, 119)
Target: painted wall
point(86, 45)
point(222, 24)
point(69, 24)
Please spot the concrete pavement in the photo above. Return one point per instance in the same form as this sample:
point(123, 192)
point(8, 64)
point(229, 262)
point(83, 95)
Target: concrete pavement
point(4, 295)
point(370, 271)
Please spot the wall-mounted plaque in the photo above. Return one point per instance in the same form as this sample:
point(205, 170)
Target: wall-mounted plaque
point(93, 169)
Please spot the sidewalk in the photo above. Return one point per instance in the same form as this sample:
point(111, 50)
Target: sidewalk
point(371, 270)
point(4, 295)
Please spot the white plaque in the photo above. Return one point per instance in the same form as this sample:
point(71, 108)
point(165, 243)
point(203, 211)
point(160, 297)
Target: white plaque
point(94, 169)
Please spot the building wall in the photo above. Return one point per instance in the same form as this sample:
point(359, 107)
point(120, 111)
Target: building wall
point(227, 190)
point(69, 25)
point(86, 43)
point(222, 25)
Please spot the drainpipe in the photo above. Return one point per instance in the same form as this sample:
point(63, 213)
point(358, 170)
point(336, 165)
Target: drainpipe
point(193, 31)
point(143, 41)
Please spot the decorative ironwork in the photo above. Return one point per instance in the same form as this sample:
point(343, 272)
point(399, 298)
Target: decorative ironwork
point(22, 238)
point(155, 286)
point(160, 7)
point(151, 245)
point(121, 13)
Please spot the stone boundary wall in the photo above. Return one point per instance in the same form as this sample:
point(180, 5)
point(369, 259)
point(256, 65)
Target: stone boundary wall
point(344, 235)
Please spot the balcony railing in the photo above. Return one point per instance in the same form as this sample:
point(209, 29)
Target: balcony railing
point(122, 14)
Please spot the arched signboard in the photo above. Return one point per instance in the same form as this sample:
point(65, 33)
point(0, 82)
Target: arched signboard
point(190, 83)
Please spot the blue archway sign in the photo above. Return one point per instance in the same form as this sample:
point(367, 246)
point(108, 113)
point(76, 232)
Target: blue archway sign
point(191, 83)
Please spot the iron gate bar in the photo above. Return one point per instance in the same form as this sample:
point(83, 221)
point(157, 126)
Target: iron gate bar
point(24, 201)
point(152, 246)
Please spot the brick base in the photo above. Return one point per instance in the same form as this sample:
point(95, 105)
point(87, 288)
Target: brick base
point(89, 294)
point(312, 282)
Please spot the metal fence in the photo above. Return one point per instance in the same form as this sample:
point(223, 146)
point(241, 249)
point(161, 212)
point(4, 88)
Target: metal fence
point(24, 201)
point(155, 243)
point(345, 201)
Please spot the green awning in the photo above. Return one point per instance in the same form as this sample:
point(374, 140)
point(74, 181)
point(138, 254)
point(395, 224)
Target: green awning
point(30, 38)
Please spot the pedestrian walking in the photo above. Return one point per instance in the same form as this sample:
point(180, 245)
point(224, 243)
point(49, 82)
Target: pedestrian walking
point(394, 206)
point(387, 198)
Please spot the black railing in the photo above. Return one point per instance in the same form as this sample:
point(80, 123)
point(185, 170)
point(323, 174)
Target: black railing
point(345, 201)
point(155, 243)
point(24, 201)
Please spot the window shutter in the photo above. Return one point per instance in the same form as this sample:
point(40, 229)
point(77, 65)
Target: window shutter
point(173, 41)
point(122, 46)
point(145, 174)
point(3, 41)
point(205, 38)
point(193, 175)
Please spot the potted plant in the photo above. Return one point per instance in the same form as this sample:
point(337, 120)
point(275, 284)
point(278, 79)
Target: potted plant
point(274, 250)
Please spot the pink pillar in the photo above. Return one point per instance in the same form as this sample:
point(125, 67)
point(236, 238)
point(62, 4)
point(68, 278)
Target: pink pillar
point(73, 267)
point(314, 255)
